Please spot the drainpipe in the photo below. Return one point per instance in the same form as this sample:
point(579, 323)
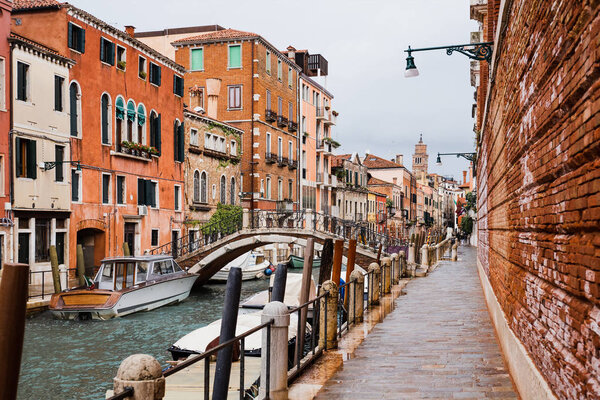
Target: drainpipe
point(299, 147)
point(10, 152)
point(252, 139)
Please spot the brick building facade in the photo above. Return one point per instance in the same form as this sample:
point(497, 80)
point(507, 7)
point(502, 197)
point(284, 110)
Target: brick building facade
point(5, 242)
point(538, 171)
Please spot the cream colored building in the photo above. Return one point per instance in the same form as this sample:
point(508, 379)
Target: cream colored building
point(161, 40)
point(41, 153)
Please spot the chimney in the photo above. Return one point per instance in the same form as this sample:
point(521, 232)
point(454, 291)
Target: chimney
point(291, 53)
point(399, 159)
point(213, 87)
point(130, 30)
point(395, 180)
point(464, 177)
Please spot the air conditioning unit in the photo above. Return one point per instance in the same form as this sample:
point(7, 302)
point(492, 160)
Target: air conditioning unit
point(142, 210)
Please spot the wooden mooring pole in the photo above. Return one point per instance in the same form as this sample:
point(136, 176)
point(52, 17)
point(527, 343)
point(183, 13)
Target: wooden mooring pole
point(304, 294)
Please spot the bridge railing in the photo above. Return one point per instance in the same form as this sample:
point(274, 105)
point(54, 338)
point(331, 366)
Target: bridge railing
point(278, 219)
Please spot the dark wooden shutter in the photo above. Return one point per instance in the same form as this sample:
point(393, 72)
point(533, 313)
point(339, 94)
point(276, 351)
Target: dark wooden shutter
point(149, 193)
point(21, 82)
point(74, 186)
point(158, 135)
point(57, 93)
point(104, 119)
point(58, 169)
point(31, 160)
point(175, 138)
point(180, 142)
point(18, 158)
point(73, 109)
point(141, 192)
point(70, 35)
point(82, 40)
point(102, 52)
point(111, 54)
point(158, 75)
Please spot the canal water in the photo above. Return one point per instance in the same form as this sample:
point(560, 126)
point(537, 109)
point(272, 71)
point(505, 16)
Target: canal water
point(78, 359)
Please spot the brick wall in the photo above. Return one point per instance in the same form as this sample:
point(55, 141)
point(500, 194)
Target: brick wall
point(539, 186)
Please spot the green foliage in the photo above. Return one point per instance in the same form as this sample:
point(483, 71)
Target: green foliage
point(389, 203)
point(466, 224)
point(471, 201)
point(223, 220)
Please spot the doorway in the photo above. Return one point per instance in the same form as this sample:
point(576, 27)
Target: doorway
point(92, 244)
point(129, 236)
point(24, 248)
point(174, 243)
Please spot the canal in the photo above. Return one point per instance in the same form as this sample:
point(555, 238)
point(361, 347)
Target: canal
point(78, 359)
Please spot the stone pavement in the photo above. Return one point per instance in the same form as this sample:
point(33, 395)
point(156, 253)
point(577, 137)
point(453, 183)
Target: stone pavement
point(439, 343)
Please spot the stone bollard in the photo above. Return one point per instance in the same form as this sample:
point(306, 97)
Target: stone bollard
point(278, 388)
point(455, 252)
point(309, 219)
point(144, 374)
point(64, 276)
point(386, 263)
point(246, 218)
point(374, 288)
point(356, 298)
point(328, 309)
point(396, 273)
point(411, 253)
point(402, 264)
point(424, 255)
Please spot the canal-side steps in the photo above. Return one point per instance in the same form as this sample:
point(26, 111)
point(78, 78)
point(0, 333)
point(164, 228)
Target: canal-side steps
point(340, 317)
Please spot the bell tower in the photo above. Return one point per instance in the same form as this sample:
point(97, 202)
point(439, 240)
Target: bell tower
point(420, 160)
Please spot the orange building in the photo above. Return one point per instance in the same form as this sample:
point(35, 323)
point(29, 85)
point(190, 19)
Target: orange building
point(125, 103)
point(257, 94)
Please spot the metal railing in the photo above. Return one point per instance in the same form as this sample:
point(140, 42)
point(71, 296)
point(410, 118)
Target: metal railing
point(278, 219)
point(43, 289)
point(209, 233)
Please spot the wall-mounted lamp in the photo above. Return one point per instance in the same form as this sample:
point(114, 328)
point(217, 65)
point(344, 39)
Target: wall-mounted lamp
point(475, 51)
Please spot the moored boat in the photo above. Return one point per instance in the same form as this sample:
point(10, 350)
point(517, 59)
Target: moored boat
point(251, 264)
point(124, 285)
point(298, 262)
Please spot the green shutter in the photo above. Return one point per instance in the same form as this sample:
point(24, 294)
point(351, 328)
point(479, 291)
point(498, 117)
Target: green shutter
point(82, 41)
point(18, 158)
point(70, 35)
point(120, 108)
point(141, 192)
point(31, 160)
point(158, 138)
point(102, 49)
point(175, 137)
point(197, 59)
point(141, 116)
point(235, 56)
point(158, 68)
point(149, 195)
point(180, 140)
point(111, 60)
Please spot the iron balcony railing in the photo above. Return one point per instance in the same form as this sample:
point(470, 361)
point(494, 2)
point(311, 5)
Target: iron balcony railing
point(270, 158)
point(270, 116)
point(282, 121)
point(292, 164)
point(282, 161)
point(292, 126)
point(320, 112)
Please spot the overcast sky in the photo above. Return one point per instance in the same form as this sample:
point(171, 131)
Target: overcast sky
point(364, 42)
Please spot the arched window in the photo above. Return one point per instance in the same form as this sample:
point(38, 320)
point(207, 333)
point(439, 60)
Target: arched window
point(105, 118)
point(75, 109)
point(196, 186)
point(119, 117)
point(141, 125)
point(232, 191)
point(203, 188)
point(155, 130)
point(223, 190)
point(131, 137)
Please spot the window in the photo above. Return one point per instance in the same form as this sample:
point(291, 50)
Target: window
point(269, 188)
point(290, 189)
point(178, 141)
point(59, 152)
point(290, 150)
point(178, 85)
point(262, 188)
point(197, 97)
point(214, 191)
point(235, 97)
point(290, 77)
point(290, 112)
point(197, 59)
point(222, 192)
point(107, 51)
point(105, 189)
point(279, 147)
point(59, 83)
point(2, 85)
point(155, 131)
point(141, 124)
point(235, 56)
point(74, 109)
point(268, 144)
point(76, 38)
point(119, 117)
point(203, 188)
point(121, 57)
point(279, 189)
point(146, 192)
point(154, 240)
point(154, 74)
point(268, 62)
point(25, 158)
point(193, 137)
point(75, 185)
point(22, 81)
point(177, 194)
point(121, 194)
point(232, 191)
point(233, 148)
point(42, 239)
point(279, 106)
point(279, 69)
point(268, 99)
point(105, 117)
point(196, 186)
point(142, 67)
point(131, 121)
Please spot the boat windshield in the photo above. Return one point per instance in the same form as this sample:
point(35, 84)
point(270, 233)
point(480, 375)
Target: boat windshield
point(161, 268)
point(105, 277)
point(176, 266)
point(259, 259)
point(141, 272)
point(124, 275)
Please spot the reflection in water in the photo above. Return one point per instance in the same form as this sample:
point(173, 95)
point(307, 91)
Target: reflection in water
point(78, 359)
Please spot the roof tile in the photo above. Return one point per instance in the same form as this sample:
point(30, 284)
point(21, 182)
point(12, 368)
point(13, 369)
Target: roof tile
point(216, 35)
point(32, 4)
point(373, 161)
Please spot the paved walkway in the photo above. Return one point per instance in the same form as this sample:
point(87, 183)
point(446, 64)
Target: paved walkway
point(439, 343)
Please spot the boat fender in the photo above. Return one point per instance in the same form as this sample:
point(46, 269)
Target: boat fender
point(268, 271)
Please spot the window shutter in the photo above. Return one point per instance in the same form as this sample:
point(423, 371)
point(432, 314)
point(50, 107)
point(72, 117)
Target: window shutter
point(102, 55)
point(18, 159)
point(70, 34)
point(158, 80)
point(149, 195)
point(175, 84)
point(74, 186)
point(112, 54)
point(141, 192)
point(31, 160)
point(57, 99)
point(82, 40)
point(180, 142)
point(158, 138)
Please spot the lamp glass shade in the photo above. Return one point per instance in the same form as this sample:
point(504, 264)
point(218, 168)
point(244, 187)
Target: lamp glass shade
point(411, 68)
point(411, 73)
point(439, 160)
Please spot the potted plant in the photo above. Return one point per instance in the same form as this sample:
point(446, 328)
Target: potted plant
point(142, 74)
point(121, 64)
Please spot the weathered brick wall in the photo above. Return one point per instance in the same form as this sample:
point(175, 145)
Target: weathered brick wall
point(539, 188)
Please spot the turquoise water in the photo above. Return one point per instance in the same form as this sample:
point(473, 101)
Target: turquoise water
point(78, 359)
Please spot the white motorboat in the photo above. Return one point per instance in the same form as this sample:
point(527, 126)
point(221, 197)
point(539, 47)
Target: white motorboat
point(291, 298)
point(124, 285)
point(251, 264)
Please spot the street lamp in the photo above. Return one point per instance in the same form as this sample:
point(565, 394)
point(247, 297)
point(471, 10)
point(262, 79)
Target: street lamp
point(475, 51)
point(467, 156)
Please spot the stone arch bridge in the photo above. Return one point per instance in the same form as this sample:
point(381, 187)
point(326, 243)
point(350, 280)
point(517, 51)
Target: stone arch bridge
point(223, 241)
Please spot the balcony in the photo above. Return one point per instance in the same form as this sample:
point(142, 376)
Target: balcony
point(281, 121)
point(317, 65)
point(282, 161)
point(292, 164)
point(292, 126)
point(324, 146)
point(319, 178)
point(270, 158)
point(320, 113)
point(270, 116)
point(334, 181)
point(330, 117)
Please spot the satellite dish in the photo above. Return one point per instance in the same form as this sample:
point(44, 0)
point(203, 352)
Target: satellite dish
point(199, 110)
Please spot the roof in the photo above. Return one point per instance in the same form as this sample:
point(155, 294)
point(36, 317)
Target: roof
point(34, 4)
point(179, 31)
point(375, 162)
point(336, 161)
point(375, 181)
point(187, 112)
point(40, 48)
point(218, 35)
